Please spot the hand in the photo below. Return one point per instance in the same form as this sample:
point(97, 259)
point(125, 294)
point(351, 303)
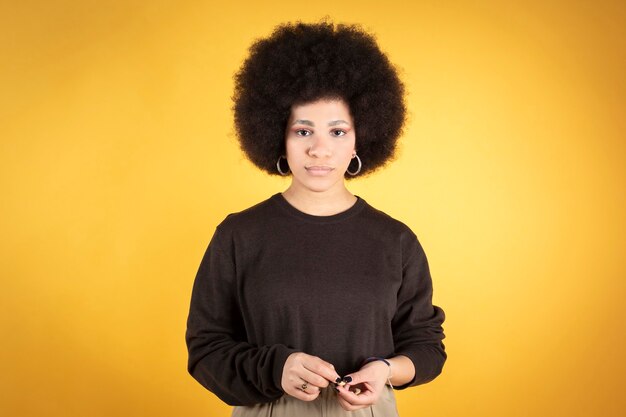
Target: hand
point(370, 379)
point(300, 369)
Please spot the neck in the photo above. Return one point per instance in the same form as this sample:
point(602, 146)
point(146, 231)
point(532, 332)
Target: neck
point(320, 203)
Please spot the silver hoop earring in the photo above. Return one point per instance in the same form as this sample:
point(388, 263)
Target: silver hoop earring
point(280, 171)
point(358, 169)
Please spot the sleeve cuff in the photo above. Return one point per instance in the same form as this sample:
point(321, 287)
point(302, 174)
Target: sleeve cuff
point(282, 353)
point(428, 361)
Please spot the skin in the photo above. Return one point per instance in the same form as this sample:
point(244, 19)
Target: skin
point(371, 379)
point(320, 141)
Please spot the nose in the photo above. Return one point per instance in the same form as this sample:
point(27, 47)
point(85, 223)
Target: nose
point(320, 147)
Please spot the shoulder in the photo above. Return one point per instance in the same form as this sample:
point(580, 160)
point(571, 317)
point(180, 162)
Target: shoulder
point(249, 220)
point(393, 232)
point(379, 220)
point(249, 215)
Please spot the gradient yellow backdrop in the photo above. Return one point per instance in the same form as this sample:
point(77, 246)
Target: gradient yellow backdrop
point(118, 159)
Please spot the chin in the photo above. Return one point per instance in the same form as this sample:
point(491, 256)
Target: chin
point(319, 188)
point(325, 184)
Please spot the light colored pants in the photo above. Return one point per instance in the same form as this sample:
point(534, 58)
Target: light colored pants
point(326, 405)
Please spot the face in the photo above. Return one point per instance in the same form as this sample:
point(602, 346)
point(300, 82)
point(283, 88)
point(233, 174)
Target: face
point(320, 142)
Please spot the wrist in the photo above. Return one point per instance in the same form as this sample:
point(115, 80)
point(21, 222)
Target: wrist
point(403, 371)
point(383, 364)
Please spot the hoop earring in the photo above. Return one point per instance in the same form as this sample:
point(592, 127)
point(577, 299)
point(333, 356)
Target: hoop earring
point(358, 169)
point(280, 171)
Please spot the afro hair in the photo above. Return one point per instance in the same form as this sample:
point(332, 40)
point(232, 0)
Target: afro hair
point(301, 63)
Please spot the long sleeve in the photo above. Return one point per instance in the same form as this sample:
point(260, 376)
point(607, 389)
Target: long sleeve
point(417, 324)
point(219, 356)
point(269, 285)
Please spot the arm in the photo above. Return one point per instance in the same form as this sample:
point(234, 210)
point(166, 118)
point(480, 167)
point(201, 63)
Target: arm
point(402, 370)
point(371, 380)
point(219, 357)
point(419, 351)
point(417, 324)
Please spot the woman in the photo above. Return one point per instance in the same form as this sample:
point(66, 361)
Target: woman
point(312, 302)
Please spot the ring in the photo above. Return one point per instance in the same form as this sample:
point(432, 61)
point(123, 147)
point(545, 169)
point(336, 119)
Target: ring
point(304, 386)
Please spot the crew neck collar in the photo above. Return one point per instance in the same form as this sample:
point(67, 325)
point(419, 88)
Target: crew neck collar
point(282, 202)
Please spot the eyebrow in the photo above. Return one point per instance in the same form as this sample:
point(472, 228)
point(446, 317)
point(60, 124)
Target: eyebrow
point(310, 123)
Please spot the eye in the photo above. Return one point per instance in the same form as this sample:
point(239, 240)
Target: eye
point(338, 132)
point(303, 132)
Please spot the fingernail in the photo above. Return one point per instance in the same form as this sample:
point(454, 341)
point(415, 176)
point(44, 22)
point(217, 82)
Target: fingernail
point(338, 380)
point(348, 379)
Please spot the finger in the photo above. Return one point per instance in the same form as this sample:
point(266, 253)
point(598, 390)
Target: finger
point(357, 378)
point(312, 390)
point(303, 395)
point(347, 406)
point(312, 378)
point(344, 404)
point(308, 388)
point(321, 367)
point(366, 387)
point(365, 398)
point(299, 376)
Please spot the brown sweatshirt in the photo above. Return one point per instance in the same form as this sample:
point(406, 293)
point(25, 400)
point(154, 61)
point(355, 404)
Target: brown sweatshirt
point(275, 280)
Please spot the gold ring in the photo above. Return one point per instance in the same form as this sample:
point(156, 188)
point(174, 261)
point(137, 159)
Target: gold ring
point(304, 386)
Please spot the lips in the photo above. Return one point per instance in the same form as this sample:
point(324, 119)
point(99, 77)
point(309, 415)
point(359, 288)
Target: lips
point(318, 169)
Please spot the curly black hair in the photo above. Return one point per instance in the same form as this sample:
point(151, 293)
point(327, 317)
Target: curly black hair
point(301, 63)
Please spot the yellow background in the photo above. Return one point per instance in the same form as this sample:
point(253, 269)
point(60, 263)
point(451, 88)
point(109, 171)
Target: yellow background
point(118, 159)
